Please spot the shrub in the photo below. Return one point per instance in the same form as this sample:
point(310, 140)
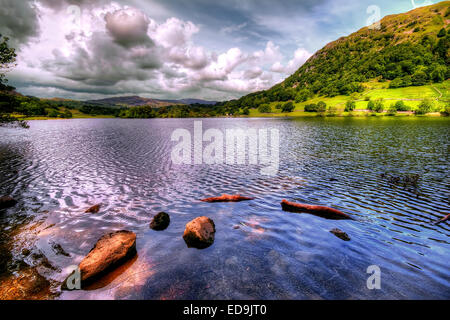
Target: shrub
point(53, 113)
point(350, 106)
point(446, 111)
point(302, 95)
point(379, 105)
point(264, 108)
point(366, 98)
point(401, 106)
point(442, 33)
point(331, 111)
point(321, 106)
point(288, 107)
point(246, 111)
point(425, 106)
point(311, 107)
point(392, 110)
point(278, 106)
point(370, 105)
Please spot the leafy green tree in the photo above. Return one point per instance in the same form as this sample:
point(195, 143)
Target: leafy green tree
point(392, 110)
point(302, 95)
point(53, 113)
point(378, 106)
point(370, 105)
point(401, 106)
point(7, 102)
point(425, 106)
point(350, 105)
point(321, 106)
point(312, 107)
point(264, 108)
point(246, 111)
point(278, 106)
point(288, 107)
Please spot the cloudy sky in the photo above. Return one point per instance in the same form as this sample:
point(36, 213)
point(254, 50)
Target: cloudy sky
point(205, 49)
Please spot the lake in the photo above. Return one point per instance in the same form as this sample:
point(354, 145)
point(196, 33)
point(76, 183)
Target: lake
point(58, 168)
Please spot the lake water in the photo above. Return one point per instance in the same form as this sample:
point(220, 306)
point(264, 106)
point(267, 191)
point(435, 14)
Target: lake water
point(57, 169)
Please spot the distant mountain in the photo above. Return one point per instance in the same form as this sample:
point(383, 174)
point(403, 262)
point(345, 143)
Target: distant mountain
point(133, 101)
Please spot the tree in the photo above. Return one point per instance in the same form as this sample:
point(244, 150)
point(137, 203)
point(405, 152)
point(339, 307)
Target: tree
point(401, 106)
point(264, 108)
point(442, 33)
point(370, 105)
point(378, 106)
point(350, 105)
point(425, 106)
point(246, 111)
point(288, 107)
point(321, 106)
point(7, 59)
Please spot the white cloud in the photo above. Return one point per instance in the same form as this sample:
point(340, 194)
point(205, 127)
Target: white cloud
point(300, 57)
point(115, 49)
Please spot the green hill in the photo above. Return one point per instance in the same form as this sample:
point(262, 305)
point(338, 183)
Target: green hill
point(407, 50)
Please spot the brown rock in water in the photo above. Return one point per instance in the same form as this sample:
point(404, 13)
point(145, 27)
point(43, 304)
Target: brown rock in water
point(199, 233)
point(443, 219)
point(340, 234)
point(94, 209)
point(28, 284)
point(320, 211)
point(160, 222)
point(7, 202)
point(109, 252)
point(227, 198)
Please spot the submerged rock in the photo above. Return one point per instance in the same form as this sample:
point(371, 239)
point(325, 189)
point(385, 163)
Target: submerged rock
point(321, 211)
point(7, 202)
point(28, 284)
point(160, 222)
point(58, 249)
point(227, 198)
point(199, 233)
point(340, 234)
point(109, 252)
point(94, 209)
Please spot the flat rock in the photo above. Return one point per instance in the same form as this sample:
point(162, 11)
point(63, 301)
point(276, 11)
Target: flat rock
point(7, 202)
point(199, 233)
point(340, 234)
point(109, 252)
point(160, 222)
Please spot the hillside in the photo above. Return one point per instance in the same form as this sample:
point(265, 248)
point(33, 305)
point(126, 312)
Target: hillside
point(409, 49)
point(133, 101)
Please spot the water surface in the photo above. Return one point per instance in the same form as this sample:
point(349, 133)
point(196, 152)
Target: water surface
point(57, 169)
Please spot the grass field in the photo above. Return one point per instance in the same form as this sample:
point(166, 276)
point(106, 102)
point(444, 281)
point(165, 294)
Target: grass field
point(411, 96)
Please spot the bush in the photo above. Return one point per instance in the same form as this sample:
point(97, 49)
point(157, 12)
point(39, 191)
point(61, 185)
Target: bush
point(246, 111)
point(331, 111)
point(392, 110)
point(288, 107)
point(321, 106)
point(425, 106)
point(442, 33)
point(378, 106)
point(401, 106)
point(446, 111)
point(370, 105)
point(366, 98)
point(311, 107)
point(278, 106)
point(264, 108)
point(53, 113)
point(302, 95)
point(350, 106)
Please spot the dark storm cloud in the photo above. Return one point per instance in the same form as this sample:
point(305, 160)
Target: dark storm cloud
point(18, 21)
